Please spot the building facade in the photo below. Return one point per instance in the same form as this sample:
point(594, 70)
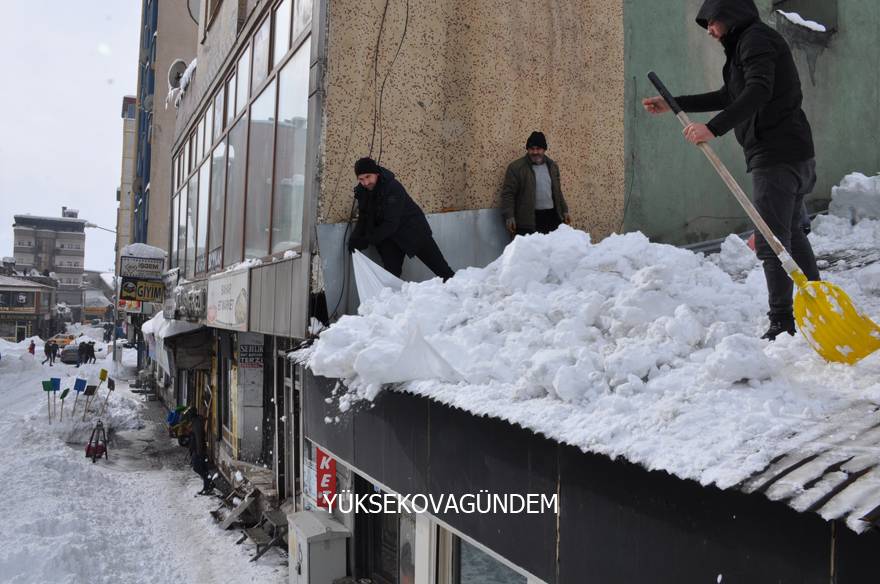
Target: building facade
point(168, 34)
point(124, 197)
point(54, 245)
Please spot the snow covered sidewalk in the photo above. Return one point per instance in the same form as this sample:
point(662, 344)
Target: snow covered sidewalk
point(126, 519)
point(626, 348)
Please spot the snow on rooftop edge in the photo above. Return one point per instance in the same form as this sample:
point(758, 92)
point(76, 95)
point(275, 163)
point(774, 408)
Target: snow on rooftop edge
point(623, 348)
point(142, 250)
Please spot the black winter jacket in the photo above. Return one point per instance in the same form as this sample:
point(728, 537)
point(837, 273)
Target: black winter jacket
point(388, 212)
point(761, 97)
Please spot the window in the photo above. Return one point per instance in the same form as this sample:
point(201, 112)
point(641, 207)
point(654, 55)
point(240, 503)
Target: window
point(259, 182)
point(191, 211)
point(235, 183)
point(202, 239)
point(174, 180)
point(474, 566)
point(181, 229)
point(281, 32)
point(218, 199)
point(230, 100)
point(243, 74)
point(303, 17)
point(290, 158)
point(175, 222)
point(219, 112)
point(185, 171)
point(200, 141)
point(261, 55)
point(209, 128)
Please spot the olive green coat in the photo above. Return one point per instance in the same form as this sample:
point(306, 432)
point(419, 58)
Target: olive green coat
point(518, 192)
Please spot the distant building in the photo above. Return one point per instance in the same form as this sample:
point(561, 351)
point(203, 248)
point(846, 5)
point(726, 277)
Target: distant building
point(53, 245)
point(124, 192)
point(26, 309)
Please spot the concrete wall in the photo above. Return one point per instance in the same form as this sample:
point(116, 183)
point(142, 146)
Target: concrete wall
point(176, 39)
point(472, 80)
point(673, 194)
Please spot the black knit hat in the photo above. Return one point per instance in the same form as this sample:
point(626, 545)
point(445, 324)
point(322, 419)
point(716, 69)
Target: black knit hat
point(366, 165)
point(536, 140)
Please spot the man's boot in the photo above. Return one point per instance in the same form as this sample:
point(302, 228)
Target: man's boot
point(777, 327)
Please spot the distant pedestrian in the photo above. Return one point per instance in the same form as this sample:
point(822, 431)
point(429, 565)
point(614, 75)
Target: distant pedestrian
point(82, 352)
point(47, 351)
point(90, 352)
point(32, 348)
point(531, 195)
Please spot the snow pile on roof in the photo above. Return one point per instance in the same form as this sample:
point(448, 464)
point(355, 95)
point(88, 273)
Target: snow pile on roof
point(857, 197)
point(142, 250)
point(156, 330)
point(624, 348)
point(109, 279)
point(796, 18)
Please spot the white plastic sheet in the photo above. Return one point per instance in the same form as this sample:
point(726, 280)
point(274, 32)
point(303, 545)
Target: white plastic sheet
point(371, 278)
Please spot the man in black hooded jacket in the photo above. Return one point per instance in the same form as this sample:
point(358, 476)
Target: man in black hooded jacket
point(389, 219)
point(761, 101)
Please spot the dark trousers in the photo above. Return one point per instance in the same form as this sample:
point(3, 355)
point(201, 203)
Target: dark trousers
point(779, 192)
point(200, 465)
point(546, 220)
point(392, 258)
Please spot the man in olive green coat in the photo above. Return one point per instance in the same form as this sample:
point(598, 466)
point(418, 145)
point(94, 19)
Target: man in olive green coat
point(531, 196)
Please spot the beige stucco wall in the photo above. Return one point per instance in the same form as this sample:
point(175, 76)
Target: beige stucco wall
point(472, 80)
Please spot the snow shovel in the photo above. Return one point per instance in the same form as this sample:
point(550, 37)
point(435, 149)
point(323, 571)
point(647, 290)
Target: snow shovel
point(824, 313)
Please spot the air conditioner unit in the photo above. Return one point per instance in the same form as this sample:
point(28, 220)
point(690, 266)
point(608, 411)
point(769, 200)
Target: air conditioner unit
point(317, 548)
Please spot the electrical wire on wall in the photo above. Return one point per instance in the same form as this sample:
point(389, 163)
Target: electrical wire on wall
point(378, 96)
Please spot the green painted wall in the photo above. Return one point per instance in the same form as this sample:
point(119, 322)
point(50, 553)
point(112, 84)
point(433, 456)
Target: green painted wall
point(672, 193)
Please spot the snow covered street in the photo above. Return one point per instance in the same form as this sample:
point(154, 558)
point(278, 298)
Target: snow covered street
point(131, 518)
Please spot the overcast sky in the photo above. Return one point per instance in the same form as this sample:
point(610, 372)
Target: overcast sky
point(65, 68)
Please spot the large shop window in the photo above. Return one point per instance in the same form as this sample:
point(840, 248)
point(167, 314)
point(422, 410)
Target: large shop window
point(290, 152)
point(235, 182)
point(191, 210)
point(259, 184)
point(218, 201)
point(202, 238)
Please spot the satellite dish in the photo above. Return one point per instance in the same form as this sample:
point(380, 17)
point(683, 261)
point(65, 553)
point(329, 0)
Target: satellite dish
point(193, 7)
point(175, 72)
point(148, 104)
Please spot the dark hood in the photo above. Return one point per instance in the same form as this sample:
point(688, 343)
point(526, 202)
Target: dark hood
point(734, 13)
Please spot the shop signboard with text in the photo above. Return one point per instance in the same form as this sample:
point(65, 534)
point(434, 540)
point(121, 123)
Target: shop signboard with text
point(228, 303)
point(142, 290)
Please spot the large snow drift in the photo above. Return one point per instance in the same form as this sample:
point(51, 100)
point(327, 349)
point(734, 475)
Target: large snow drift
point(625, 348)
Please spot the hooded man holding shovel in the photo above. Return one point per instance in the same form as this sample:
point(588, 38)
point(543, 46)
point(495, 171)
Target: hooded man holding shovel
point(761, 101)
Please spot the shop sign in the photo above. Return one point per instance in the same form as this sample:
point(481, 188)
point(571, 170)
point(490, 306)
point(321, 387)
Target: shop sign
point(250, 356)
point(141, 268)
point(142, 290)
point(170, 279)
point(132, 306)
point(191, 302)
point(325, 477)
point(228, 304)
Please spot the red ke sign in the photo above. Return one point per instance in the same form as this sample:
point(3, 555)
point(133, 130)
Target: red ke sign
point(326, 475)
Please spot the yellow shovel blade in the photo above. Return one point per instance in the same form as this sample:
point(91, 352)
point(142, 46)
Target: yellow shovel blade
point(831, 324)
